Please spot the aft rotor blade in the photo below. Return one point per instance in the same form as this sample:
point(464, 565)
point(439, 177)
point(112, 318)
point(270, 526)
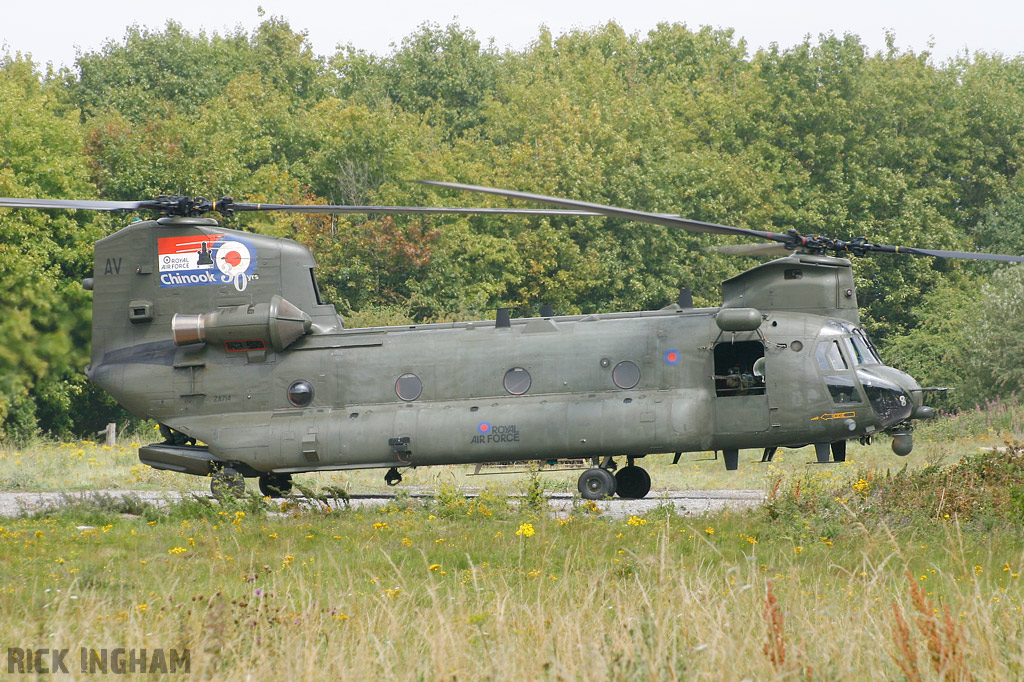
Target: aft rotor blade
point(71, 204)
point(314, 208)
point(624, 213)
point(750, 249)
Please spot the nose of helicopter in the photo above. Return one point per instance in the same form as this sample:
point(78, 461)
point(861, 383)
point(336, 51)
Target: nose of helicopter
point(915, 393)
point(891, 393)
point(896, 398)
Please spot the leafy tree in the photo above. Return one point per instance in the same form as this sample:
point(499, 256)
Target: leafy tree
point(995, 342)
point(440, 73)
point(152, 74)
point(43, 257)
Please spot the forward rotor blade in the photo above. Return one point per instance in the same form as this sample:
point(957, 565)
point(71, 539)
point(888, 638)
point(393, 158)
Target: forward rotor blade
point(812, 244)
point(938, 253)
point(70, 204)
point(615, 212)
point(313, 208)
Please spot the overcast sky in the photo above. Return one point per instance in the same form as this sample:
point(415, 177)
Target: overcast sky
point(53, 30)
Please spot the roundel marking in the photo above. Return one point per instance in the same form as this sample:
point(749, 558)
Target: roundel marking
point(672, 356)
point(484, 427)
point(232, 258)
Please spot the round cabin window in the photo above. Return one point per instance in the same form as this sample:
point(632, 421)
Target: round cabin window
point(300, 393)
point(408, 387)
point(517, 381)
point(626, 374)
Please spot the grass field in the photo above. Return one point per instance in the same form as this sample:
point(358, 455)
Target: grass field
point(478, 590)
point(850, 572)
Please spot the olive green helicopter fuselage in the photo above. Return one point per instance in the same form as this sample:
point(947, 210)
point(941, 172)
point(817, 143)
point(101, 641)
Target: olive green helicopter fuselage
point(221, 337)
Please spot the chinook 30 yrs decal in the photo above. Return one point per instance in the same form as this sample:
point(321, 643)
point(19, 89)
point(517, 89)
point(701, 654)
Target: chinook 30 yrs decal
point(206, 259)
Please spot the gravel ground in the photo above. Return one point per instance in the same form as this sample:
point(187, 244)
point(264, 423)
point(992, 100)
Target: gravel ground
point(688, 502)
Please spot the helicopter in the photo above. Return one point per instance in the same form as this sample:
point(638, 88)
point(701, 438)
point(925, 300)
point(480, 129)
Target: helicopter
point(221, 336)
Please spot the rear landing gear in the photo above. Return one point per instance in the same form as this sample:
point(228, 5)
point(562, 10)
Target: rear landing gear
point(227, 482)
point(392, 477)
point(596, 484)
point(275, 485)
point(632, 482)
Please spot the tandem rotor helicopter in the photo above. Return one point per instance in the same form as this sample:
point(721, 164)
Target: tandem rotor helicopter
point(222, 338)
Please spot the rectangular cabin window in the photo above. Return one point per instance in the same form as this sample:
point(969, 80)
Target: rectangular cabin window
point(739, 369)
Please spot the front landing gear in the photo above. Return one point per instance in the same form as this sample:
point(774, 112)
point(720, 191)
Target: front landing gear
point(632, 482)
point(392, 477)
point(275, 485)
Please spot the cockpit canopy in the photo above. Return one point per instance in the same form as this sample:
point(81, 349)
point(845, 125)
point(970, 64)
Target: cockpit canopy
point(852, 339)
point(852, 371)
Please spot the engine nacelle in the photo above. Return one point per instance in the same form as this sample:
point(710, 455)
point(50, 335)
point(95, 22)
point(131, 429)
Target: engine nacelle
point(278, 324)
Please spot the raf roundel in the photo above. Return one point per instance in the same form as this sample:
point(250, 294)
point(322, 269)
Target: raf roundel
point(484, 427)
point(232, 258)
point(672, 356)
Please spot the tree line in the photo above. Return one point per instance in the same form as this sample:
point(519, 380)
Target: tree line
point(824, 137)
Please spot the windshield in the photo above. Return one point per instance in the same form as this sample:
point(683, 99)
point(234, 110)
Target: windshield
point(860, 350)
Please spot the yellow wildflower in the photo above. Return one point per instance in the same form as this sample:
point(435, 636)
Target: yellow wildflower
point(526, 530)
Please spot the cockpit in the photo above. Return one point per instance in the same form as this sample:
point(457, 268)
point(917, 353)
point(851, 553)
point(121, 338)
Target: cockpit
point(853, 372)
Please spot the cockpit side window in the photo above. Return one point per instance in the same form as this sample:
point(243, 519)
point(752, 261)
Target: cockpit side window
point(830, 357)
point(842, 389)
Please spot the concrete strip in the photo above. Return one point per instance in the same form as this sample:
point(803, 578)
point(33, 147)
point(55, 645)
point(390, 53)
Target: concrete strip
point(686, 502)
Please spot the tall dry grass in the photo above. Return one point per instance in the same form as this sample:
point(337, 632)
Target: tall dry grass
point(437, 592)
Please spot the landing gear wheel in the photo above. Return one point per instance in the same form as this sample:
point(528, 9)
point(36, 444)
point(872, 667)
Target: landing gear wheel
point(227, 482)
point(172, 437)
point(596, 484)
point(275, 485)
point(392, 477)
point(632, 483)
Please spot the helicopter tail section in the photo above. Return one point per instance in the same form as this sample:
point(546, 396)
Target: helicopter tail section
point(168, 293)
